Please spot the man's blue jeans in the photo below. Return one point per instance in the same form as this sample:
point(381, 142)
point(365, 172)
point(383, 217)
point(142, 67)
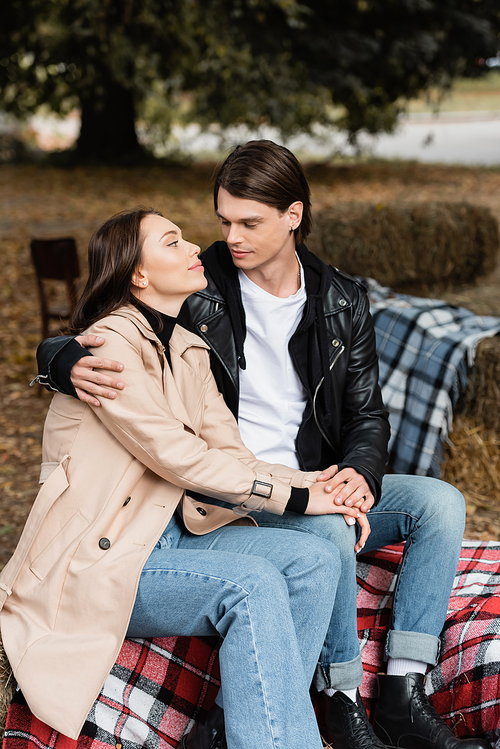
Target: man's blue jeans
point(270, 594)
point(429, 515)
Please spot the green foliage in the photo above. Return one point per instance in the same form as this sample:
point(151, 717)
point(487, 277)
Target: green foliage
point(285, 62)
point(364, 55)
point(101, 56)
point(61, 50)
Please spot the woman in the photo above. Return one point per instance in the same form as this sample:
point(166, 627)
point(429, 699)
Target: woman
point(113, 545)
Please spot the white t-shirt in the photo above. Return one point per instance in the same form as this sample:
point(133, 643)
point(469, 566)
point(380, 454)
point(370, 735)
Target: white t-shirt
point(272, 398)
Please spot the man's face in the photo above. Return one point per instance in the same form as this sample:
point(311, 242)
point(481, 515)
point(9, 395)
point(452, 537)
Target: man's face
point(257, 234)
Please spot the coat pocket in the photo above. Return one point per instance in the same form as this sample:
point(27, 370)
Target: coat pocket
point(59, 546)
point(56, 483)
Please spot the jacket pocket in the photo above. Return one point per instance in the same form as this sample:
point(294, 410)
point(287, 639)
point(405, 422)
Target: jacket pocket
point(59, 546)
point(50, 491)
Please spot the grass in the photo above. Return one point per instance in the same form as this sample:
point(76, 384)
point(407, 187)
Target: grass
point(466, 95)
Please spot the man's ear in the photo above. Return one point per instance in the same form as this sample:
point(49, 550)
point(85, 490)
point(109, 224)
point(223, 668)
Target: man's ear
point(295, 211)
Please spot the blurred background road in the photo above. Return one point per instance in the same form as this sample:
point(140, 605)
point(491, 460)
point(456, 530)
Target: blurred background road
point(453, 138)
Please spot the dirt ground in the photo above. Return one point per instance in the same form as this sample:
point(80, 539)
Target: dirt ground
point(44, 202)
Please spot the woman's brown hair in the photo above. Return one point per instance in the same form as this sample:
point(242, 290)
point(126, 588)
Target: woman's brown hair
point(268, 173)
point(115, 251)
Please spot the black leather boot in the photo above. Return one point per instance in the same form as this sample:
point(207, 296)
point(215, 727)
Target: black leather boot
point(348, 724)
point(208, 732)
point(405, 718)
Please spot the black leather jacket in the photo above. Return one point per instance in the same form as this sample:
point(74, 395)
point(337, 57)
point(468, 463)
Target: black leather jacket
point(333, 351)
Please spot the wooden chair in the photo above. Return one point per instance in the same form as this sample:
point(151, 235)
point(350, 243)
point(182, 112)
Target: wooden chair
point(55, 259)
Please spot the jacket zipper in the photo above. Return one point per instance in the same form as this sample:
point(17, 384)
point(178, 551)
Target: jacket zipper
point(323, 434)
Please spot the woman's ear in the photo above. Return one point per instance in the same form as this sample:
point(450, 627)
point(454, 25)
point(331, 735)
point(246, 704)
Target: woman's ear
point(295, 211)
point(139, 279)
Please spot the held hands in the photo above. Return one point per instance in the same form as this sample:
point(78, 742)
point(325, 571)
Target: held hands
point(87, 382)
point(348, 488)
point(320, 503)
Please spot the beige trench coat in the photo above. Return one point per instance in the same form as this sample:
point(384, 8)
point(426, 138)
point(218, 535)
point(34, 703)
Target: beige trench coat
point(112, 478)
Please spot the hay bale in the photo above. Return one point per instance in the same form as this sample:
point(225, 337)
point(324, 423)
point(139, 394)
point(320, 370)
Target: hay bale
point(365, 239)
point(454, 242)
point(7, 688)
point(408, 246)
point(472, 453)
point(472, 464)
point(481, 398)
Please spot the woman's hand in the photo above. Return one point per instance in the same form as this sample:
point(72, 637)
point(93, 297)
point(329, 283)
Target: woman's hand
point(364, 526)
point(321, 503)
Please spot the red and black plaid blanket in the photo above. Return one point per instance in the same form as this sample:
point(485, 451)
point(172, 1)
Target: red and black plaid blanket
point(465, 685)
point(158, 687)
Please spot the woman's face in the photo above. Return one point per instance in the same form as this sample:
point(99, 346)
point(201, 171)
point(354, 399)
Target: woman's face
point(170, 269)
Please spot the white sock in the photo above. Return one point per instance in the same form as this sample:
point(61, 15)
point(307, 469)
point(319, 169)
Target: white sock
point(403, 666)
point(351, 693)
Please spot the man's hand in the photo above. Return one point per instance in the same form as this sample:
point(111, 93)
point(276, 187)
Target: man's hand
point(321, 503)
point(347, 487)
point(89, 383)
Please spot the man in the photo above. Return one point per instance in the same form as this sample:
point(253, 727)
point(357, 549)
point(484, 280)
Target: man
point(293, 352)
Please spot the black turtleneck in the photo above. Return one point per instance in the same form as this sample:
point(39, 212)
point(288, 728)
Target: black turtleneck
point(163, 326)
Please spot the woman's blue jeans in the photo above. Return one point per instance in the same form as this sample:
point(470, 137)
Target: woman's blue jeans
point(270, 594)
point(429, 515)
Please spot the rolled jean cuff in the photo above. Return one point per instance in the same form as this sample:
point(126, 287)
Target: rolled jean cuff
point(416, 646)
point(347, 675)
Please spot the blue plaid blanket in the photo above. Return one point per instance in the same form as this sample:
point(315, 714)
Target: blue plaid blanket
point(424, 348)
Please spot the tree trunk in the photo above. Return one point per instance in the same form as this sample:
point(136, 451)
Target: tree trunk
point(108, 126)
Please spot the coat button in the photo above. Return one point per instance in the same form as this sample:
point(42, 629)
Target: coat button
point(203, 328)
point(127, 501)
point(342, 302)
point(104, 543)
point(335, 342)
point(201, 510)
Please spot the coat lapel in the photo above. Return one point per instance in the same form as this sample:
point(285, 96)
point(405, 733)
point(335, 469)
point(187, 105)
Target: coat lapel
point(183, 387)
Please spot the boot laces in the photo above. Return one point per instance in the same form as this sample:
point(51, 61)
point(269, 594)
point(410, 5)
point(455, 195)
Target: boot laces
point(361, 731)
point(419, 698)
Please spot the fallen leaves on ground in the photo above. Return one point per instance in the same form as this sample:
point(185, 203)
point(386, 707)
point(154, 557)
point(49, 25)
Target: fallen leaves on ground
point(37, 201)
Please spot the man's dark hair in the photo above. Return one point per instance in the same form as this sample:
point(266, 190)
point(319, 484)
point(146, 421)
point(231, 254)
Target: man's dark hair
point(268, 173)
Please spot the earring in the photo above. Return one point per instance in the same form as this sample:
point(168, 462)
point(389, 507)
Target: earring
point(144, 283)
point(291, 229)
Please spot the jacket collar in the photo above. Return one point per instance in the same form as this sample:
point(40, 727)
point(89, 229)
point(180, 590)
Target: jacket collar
point(180, 341)
point(322, 280)
point(324, 297)
point(222, 272)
